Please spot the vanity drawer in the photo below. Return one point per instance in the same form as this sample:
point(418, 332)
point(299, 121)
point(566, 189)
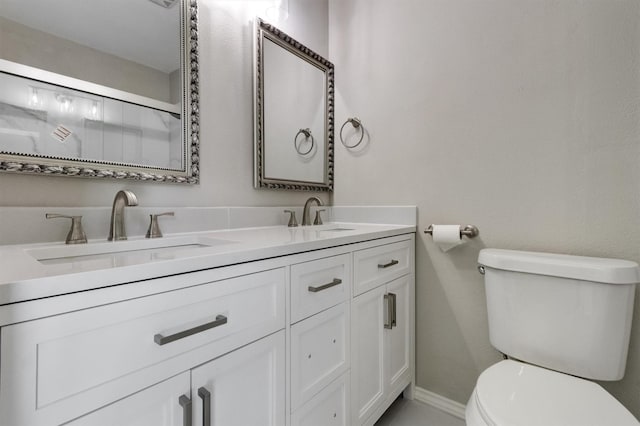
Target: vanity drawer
point(330, 407)
point(60, 367)
point(378, 265)
point(319, 352)
point(318, 285)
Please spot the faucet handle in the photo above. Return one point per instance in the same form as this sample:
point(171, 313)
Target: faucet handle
point(154, 228)
point(292, 219)
point(318, 219)
point(76, 234)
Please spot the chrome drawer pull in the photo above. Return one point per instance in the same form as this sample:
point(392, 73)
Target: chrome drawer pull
point(388, 313)
point(185, 403)
point(392, 296)
point(386, 265)
point(163, 340)
point(335, 281)
point(206, 406)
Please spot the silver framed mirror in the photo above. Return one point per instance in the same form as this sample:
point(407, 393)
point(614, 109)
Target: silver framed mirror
point(293, 113)
point(100, 89)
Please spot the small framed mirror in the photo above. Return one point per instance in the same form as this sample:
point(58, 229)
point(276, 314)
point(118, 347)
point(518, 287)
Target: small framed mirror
point(293, 123)
point(102, 89)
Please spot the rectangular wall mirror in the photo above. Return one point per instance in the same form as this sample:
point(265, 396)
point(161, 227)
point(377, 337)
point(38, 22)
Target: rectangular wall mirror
point(105, 89)
point(293, 101)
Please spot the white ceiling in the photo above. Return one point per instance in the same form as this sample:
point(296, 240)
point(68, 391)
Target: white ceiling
point(136, 30)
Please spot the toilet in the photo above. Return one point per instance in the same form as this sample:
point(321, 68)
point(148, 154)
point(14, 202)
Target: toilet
point(561, 321)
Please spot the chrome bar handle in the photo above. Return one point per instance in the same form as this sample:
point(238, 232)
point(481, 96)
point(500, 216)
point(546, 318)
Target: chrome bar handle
point(387, 312)
point(206, 406)
point(163, 340)
point(335, 282)
point(185, 403)
point(392, 302)
point(386, 265)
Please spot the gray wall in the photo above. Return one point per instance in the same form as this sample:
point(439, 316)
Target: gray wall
point(226, 37)
point(518, 116)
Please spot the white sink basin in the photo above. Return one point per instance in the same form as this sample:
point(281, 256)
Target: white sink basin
point(123, 253)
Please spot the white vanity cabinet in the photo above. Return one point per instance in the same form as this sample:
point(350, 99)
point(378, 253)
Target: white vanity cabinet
point(382, 326)
point(58, 368)
point(290, 340)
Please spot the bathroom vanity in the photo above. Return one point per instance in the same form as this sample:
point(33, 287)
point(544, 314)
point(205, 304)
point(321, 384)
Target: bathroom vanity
point(270, 326)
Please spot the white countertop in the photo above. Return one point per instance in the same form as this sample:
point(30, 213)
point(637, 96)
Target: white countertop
point(35, 271)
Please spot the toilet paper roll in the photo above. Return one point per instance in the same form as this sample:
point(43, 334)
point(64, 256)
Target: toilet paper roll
point(447, 236)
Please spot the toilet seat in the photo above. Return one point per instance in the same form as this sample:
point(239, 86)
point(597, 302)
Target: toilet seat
point(512, 393)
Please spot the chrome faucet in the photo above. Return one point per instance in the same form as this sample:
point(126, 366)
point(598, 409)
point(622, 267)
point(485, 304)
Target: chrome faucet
point(116, 228)
point(306, 217)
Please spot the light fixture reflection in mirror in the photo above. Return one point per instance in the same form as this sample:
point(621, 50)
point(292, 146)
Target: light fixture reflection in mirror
point(34, 99)
point(65, 103)
point(94, 112)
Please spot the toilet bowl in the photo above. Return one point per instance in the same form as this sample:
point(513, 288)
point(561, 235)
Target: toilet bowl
point(565, 319)
point(512, 393)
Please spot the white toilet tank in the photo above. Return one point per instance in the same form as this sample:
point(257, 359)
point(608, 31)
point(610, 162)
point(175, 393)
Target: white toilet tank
point(566, 313)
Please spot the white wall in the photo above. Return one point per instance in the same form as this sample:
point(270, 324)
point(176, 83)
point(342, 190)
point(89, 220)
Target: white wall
point(519, 116)
point(226, 43)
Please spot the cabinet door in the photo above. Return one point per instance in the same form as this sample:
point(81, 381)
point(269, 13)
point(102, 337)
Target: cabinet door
point(163, 404)
point(245, 387)
point(367, 354)
point(398, 338)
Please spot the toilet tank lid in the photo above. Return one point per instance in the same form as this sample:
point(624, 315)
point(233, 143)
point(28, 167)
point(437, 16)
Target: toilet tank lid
point(602, 270)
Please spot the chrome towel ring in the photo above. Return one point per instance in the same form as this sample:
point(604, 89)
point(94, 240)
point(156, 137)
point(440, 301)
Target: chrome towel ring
point(307, 134)
point(357, 124)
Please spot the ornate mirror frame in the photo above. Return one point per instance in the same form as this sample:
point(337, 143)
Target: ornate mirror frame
point(190, 134)
point(264, 30)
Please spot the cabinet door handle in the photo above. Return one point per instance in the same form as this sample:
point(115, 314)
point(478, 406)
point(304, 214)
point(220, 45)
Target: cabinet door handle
point(206, 406)
point(335, 281)
point(387, 312)
point(386, 265)
point(163, 340)
point(392, 311)
point(185, 403)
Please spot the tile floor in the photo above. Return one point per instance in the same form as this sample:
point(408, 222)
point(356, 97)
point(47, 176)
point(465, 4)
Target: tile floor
point(413, 413)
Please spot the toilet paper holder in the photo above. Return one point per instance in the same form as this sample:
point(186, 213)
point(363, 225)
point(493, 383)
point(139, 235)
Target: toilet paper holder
point(470, 231)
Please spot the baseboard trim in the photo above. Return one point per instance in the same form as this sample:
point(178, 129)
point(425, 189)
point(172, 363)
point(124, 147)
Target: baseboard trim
point(440, 402)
